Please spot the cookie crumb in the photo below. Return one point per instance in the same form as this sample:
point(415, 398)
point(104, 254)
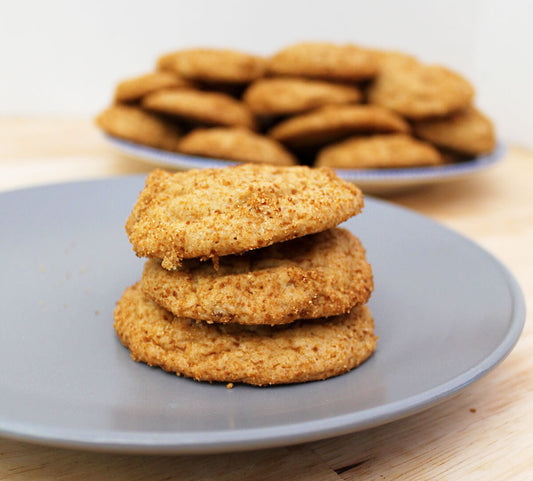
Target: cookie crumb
point(473, 410)
point(229, 385)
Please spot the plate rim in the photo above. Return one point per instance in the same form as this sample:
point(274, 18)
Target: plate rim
point(275, 436)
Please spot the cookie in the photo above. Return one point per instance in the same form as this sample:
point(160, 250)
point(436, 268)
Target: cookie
point(135, 88)
point(346, 63)
point(235, 144)
point(214, 65)
point(418, 91)
point(379, 151)
point(288, 96)
point(259, 355)
point(319, 275)
point(134, 124)
point(204, 107)
point(208, 213)
point(334, 122)
point(468, 132)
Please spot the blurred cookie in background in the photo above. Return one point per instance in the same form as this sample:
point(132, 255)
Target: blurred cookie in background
point(135, 88)
point(379, 151)
point(419, 91)
point(207, 108)
point(235, 144)
point(468, 132)
point(331, 123)
point(289, 96)
point(214, 65)
point(329, 61)
point(135, 125)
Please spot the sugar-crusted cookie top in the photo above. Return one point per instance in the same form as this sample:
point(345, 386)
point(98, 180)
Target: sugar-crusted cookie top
point(213, 212)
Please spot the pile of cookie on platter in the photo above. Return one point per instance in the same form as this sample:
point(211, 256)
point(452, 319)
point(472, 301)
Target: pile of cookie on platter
point(248, 277)
point(319, 104)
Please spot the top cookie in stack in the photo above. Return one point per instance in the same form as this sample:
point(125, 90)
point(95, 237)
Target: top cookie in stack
point(249, 277)
point(316, 103)
point(215, 212)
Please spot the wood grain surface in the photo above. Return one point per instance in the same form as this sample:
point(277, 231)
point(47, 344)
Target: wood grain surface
point(485, 432)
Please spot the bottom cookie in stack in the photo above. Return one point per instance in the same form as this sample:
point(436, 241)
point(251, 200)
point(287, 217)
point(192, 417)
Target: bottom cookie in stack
point(291, 312)
point(301, 351)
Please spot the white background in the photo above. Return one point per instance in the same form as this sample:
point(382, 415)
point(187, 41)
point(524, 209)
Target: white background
point(64, 57)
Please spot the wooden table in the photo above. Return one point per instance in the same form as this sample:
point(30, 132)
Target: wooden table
point(484, 433)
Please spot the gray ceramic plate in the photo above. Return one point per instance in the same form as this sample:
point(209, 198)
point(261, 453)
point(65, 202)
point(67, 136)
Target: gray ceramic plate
point(378, 181)
point(446, 313)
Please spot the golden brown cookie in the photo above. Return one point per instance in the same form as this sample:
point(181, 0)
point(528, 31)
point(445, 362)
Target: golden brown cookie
point(327, 61)
point(417, 91)
point(136, 125)
point(468, 132)
point(334, 122)
point(260, 355)
point(214, 65)
point(135, 88)
point(318, 275)
point(214, 212)
point(231, 143)
point(379, 151)
point(286, 96)
point(203, 107)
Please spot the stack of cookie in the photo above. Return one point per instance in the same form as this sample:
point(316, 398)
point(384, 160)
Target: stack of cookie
point(249, 279)
point(341, 106)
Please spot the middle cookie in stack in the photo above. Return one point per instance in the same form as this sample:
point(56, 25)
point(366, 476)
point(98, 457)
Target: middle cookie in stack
point(282, 301)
